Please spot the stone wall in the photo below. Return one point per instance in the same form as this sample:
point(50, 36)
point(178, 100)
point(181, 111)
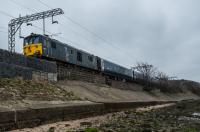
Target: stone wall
point(11, 70)
point(30, 62)
point(14, 65)
point(77, 73)
point(44, 76)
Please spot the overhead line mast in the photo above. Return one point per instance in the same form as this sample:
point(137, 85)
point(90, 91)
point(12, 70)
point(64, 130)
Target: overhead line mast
point(15, 24)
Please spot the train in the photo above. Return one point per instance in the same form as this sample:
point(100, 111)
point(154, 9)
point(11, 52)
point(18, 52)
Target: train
point(45, 47)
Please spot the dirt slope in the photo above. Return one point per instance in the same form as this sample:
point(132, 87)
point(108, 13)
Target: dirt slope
point(19, 92)
point(104, 93)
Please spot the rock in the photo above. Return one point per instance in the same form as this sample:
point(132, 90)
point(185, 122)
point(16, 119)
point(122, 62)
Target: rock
point(88, 124)
point(51, 129)
point(67, 125)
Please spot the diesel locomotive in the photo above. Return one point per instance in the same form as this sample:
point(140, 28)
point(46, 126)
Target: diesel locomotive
point(48, 48)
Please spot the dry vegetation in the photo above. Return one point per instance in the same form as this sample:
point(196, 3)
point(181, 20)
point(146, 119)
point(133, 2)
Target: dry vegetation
point(19, 89)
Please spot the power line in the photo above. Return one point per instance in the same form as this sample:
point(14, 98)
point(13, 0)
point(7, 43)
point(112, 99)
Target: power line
point(3, 27)
point(86, 29)
point(91, 32)
point(52, 33)
point(70, 19)
point(32, 10)
point(19, 4)
point(57, 36)
point(76, 23)
point(79, 34)
point(6, 14)
point(44, 4)
point(95, 34)
point(63, 24)
point(66, 17)
point(4, 32)
point(41, 29)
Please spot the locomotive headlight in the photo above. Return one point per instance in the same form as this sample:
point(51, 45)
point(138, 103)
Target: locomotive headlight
point(37, 52)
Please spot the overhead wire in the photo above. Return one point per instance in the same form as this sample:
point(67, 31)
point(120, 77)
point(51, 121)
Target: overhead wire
point(89, 31)
point(21, 5)
point(64, 15)
point(1, 27)
point(40, 1)
point(44, 4)
point(70, 19)
point(3, 32)
point(68, 41)
point(40, 27)
point(6, 14)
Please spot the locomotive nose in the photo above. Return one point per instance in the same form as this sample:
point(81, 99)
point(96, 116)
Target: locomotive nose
point(32, 49)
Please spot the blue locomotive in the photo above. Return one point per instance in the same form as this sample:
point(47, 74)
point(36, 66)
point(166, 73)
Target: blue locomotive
point(45, 47)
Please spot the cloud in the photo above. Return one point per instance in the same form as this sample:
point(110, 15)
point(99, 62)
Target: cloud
point(163, 33)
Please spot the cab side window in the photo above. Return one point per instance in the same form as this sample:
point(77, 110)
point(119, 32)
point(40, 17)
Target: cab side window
point(26, 41)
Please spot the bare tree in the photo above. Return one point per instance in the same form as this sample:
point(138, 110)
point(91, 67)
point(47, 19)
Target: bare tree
point(161, 76)
point(162, 80)
point(148, 71)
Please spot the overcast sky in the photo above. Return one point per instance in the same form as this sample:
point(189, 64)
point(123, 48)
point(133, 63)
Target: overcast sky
point(165, 33)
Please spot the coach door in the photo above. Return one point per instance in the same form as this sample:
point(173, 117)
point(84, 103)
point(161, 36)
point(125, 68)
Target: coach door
point(66, 54)
point(98, 63)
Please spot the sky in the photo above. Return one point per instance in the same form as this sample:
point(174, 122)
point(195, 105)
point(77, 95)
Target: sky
point(164, 33)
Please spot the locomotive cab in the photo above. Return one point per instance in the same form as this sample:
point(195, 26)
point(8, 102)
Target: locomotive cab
point(32, 45)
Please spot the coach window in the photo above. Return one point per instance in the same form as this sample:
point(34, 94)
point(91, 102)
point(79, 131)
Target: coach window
point(71, 51)
point(90, 58)
point(53, 45)
point(79, 56)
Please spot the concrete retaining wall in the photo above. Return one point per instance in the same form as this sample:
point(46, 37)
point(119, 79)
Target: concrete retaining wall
point(31, 117)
